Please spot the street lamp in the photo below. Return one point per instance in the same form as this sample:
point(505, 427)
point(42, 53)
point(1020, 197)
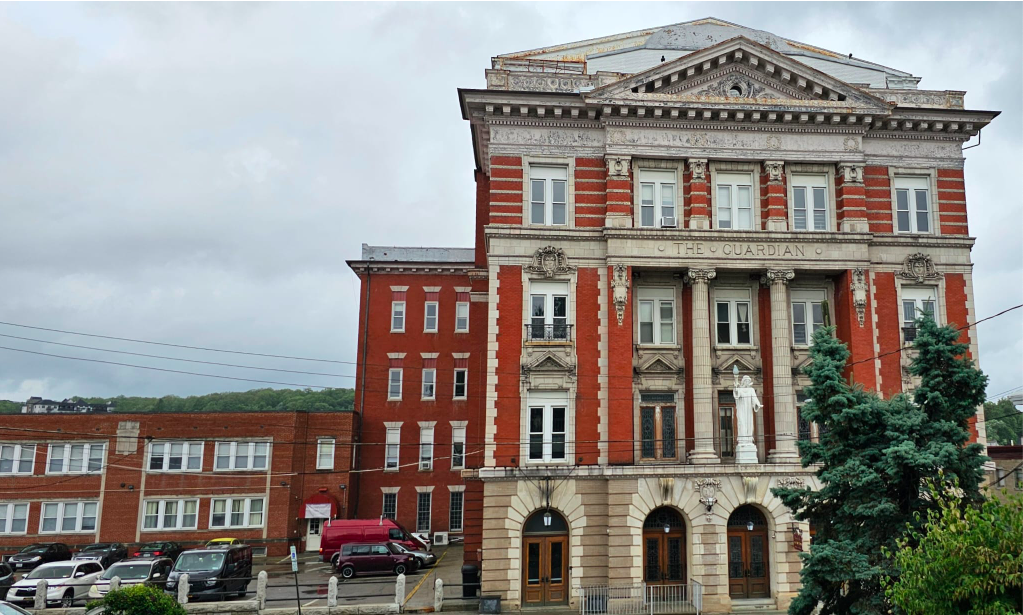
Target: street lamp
point(749, 526)
point(547, 519)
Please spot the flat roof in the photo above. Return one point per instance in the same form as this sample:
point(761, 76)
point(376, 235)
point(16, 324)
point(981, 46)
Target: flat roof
point(408, 254)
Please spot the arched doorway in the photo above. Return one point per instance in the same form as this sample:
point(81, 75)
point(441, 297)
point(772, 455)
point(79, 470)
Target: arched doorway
point(747, 554)
point(545, 559)
point(664, 547)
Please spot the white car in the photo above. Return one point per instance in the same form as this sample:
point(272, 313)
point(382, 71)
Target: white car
point(423, 537)
point(67, 582)
point(151, 571)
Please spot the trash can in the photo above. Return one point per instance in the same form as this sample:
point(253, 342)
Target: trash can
point(490, 604)
point(470, 580)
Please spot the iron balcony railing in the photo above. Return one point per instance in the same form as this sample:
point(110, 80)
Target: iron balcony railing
point(549, 333)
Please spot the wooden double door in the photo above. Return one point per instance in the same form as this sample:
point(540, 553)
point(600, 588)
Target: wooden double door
point(545, 581)
point(664, 558)
point(747, 563)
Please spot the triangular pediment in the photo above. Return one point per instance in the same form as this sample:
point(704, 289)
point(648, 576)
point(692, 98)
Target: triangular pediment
point(744, 364)
point(734, 71)
point(659, 364)
point(548, 362)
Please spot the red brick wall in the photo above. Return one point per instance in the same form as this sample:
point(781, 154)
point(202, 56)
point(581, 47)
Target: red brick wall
point(889, 332)
point(510, 327)
point(619, 195)
point(482, 215)
point(506, 190)
point(619, 381)
point(590, 192)
point(698, 202)
point(774, 203)
point(858, 338)
point(952, 202)
point(850, 200)
point(767, 365)
point(587, 415)
point(878, 199)
point(958, 315)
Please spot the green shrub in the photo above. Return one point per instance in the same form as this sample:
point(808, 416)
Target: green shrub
point(139, 600)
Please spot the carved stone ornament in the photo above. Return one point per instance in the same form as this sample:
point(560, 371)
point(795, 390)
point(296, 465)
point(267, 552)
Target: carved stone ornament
point(735, 85)
point(698, 167)
point(774, 169)
point(549, 261)
point(791, 482)
point(851, 173)
point(782, 276)
point(708, 488)
point(618, 167)
point(667, 485)
point(700, 275)
point(859, 293)
point(620, 290)
point(749, 487)
point(918, 267)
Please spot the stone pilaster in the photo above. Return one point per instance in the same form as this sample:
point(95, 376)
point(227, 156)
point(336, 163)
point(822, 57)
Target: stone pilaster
point(774, 202)
point(850, 199)
point(698, 201)
point(781, 354)
point(703, 409)
point(619, 192)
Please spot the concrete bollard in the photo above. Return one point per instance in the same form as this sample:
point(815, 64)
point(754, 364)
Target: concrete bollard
point(183, 589)
point(438, 595)
point(115, 584)
point(40, 600)
point(332, 592)
point(399, 590)
point(261, 580)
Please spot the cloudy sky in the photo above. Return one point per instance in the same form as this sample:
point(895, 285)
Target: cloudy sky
point(198, 174)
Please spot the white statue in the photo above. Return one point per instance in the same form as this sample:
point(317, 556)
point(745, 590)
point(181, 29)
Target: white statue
point(746, 404)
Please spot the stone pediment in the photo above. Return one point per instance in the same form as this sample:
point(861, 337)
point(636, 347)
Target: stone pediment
point(745, 365)
point(658, 363)
point(734, 71)
point(548, 362)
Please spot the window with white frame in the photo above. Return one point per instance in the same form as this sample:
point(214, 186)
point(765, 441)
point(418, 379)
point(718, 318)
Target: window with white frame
point(74, 458)
point(390, 506)
point(455, 511)
point(236, 512)
point(392, 448)
point(657, 199)
point(14, 518)
point(548, 311)
point(67, 517)
point(656, 315)
point(912, 204)
point(916, 302)
point(430, 317)
point(397, 316)
point(429, 383)
point(424, 504)
point(547, 426)
point(394, 383)
point(548, 195)
point(242, 456)
point(810, 202)
point(461, 317)
point(460, 381)
point(17, 458)
point(733, 313)
point(426, 446)
point(170, 514)
point(734, 200)
point(807, 315)
point(457, 447)
point(175, 456)
point(325, 454)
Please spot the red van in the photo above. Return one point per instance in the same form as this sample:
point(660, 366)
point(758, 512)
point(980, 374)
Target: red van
point(339, 532)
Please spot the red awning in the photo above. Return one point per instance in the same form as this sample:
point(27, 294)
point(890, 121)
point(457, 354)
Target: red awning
point(320, 505)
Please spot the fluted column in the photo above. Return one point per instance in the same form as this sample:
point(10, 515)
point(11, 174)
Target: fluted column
point(703, 409)
point(781, 355)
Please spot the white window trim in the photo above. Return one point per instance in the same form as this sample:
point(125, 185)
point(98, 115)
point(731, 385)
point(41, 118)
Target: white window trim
point(806, 296)
point(547, 161)
point(733, 295)
point(550, 289)
point(404, 315)
point(459, 305)
point(419, 493)
point(795, 171)
point(233, 444)
point(646, 164)
point(188, 445)
point(433, 393)
point(915, 292)
point(657, 195)
point(427, 441)
point(436, 316)
point(744, 168)
point(60, 517)
point(390, 374)
point(67, 458)
point(461, 517)
point(548, 400)
point(161, 515)
point(657, 295)
point(16, 460)
point(9, 518)
point(394, 428)
point(383, 503)
point(894, 174)
point(454, 388)
point(333, 453)
point(456, 439)
point(227, 512)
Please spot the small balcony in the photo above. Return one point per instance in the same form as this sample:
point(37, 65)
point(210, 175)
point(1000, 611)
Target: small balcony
point(550, 333)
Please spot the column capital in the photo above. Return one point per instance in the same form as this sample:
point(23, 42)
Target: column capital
point(777, 276)
point(698, 167)
point(618, 166)
point(851, 172)
point(702, 276)
point(774, 169)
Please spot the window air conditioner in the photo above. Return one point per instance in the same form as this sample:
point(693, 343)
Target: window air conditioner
point(668, 222)
point(425, 465)
point(440, 538)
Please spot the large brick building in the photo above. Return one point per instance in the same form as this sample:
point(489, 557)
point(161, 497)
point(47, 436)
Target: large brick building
point(270, 478)
point(660, 213)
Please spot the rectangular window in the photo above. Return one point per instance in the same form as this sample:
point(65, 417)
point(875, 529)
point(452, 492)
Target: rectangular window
point(460, 381)
point(727, 430)
point(170, 514)
point(397, 316)
point(917, 302)
point(810, 202)
point(67, 517)
point(1018, 477)
point(17, 458)
point(455, 511)
point(236, 512)
point(807, 315)
point(74, 458)
point(429, 383)
point(392, 448)
point(325, 454)
point(394, 383)
point(175, 456)
point(547, 432)
point(423, 506)
point(430, 317)
point(390, 507)
point(733, 316)
point(658, 429)
point(457, 448)
point(242, 456)
point(548, 311)
point(912, 204)
point(13, 518)
point(548, 195)
point(425, 448)
point(461, 317)
point(656, 317)
point(735, 201)
point(657, 206)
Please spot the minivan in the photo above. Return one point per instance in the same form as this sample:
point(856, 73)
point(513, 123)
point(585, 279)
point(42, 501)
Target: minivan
point(339, 532)
point(362, 558)
point(214, 572)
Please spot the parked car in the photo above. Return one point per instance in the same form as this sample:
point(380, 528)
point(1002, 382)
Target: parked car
point(224, 542)
point(69, 581)
point(215, 572)
point(339, 532)
point(373, 558)
point(424, 538)
point(6, 608)
point(144, 571)
point(423, 558)
point(106, 553)
point(158, 549)
point(39, 553)
point(6, 579)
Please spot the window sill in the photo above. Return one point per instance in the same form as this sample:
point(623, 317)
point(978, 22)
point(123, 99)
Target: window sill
point(459, 398)
point(393, 399)
point(397, 330)
point(391, 470)
point(658, 346)
point(548, 342)
point(727, 347)
point(427, 399)
point(170, 529)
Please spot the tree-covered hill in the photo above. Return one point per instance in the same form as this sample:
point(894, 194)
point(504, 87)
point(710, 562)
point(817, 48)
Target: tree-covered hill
point(257, 400)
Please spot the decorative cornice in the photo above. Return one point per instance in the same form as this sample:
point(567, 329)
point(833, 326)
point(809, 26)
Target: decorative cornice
point(791, 482)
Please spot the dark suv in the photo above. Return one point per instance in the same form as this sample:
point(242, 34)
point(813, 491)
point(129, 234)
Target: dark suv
point(39, 553)
point(373, 558)
point(106, 553)
point(157, 549)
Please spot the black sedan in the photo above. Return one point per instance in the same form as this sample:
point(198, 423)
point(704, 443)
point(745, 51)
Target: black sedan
point(106, 553)
point(6, 579)
point(157, 549)
point(39, 553)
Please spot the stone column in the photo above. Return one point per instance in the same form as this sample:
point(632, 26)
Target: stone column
point(774, 202)
point(703, 409)
point(698, 201)
point(619, 192)
point(781, 354)
point(850, 202)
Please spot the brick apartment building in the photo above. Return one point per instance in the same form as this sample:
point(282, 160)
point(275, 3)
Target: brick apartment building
point(656, 211)
point(269, 478)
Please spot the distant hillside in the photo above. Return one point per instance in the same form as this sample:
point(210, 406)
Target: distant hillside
point(257, 400)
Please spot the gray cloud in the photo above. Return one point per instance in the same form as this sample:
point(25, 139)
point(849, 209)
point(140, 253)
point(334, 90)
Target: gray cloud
point(198, 173)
